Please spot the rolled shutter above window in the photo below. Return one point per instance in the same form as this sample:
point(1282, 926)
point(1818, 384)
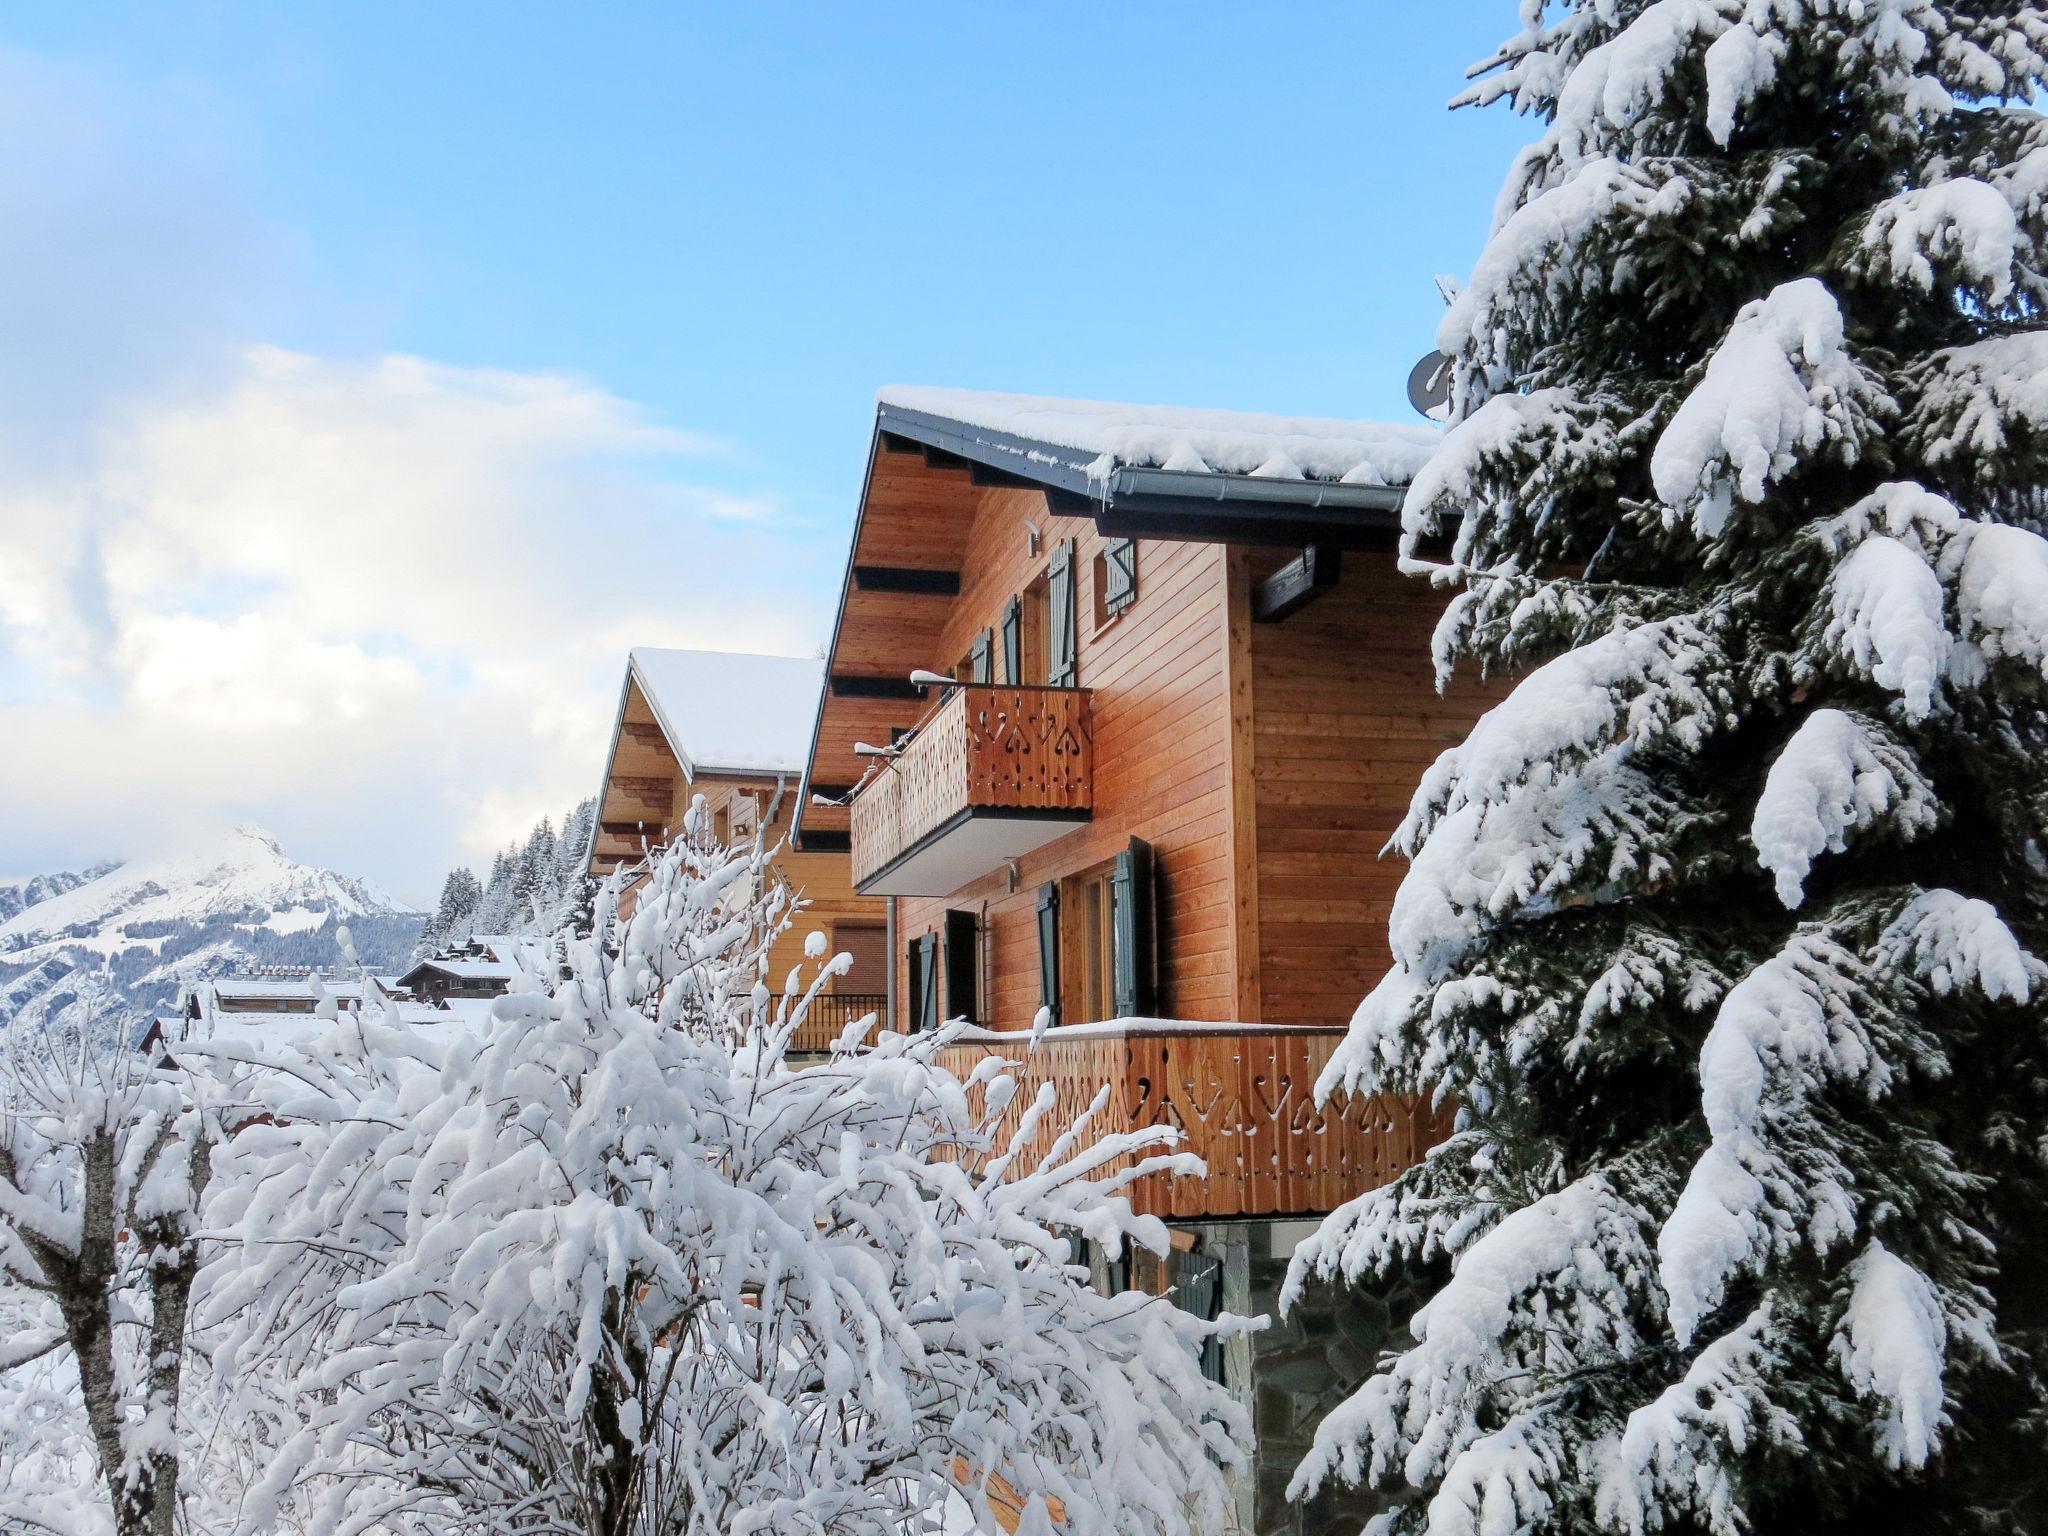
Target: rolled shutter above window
point(1062, 657)
point(1049, 949)
point(1119, 575)
point(1132, 942)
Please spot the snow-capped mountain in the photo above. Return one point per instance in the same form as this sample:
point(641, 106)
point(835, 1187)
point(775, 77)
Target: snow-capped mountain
point(17, 896)
point(97, 950)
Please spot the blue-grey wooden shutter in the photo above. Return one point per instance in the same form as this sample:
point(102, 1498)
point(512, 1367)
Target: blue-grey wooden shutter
point(1119, 575)
point(979, 660)
point(963, 967)
point(1198, 1289)
point(1062, 659)
point(1130, 888)
point(1049, 949)
point(924, 982)
point(1013, 641)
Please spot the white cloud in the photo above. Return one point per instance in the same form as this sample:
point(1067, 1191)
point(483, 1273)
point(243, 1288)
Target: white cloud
point(325, 583)
point(379, 603)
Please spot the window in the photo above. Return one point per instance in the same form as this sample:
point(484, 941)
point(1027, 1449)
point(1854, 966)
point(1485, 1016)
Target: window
point(1105, 938)
point(1116, 579)
point(977, 665)
point(1089, 947)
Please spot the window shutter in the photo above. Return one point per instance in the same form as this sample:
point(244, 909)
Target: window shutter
point(1132, 940)
point(963, 967)
point(1198, 1289)
point(1013, 641)
point(1049, 949)
point(978, 660)
point(1119, 575)
point(924, 982)
point(1062, 665)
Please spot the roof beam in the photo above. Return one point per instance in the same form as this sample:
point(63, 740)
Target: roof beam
point(821, 840)
point(1300, 581)
point(910, 579)
point(631, 828)
point(646, 733)
point(852, 685)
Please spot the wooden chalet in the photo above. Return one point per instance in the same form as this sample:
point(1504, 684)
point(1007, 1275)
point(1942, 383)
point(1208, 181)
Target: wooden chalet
point(1190, 697)
point(734, 729)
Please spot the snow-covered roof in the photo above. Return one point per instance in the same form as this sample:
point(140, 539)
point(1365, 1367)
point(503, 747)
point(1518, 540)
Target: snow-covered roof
point(1183, 439)
point(727, 712)
point(471, 970)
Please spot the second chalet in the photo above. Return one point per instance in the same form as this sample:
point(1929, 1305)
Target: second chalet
point(734, 729)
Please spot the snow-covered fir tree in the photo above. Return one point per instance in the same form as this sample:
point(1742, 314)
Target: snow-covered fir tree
point(453, 917)
point(534, 888)
point(1721, 929)
point(618, 1267)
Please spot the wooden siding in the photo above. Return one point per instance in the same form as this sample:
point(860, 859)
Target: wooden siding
point(1346, 717)
point(1162, 723)
point(1243, 1099)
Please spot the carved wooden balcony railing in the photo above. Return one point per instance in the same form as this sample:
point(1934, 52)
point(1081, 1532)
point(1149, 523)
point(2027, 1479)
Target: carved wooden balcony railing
point(1244, 1095)
point(1020, 757)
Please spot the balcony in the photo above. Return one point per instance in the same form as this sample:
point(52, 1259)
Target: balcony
point(992, 774)
point(830, 1013)
point(1244, 1094)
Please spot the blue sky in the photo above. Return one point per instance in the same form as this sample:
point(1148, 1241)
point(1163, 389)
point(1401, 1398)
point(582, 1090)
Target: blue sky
point(719, 228)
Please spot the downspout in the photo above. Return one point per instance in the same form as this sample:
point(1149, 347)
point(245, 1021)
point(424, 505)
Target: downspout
point(775, 805)
point(889, 970)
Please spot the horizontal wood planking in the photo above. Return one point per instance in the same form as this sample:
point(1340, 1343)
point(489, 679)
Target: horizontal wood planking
point(1161, 723)
point(1347, 719)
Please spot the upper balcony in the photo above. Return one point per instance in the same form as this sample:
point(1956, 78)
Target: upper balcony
point(992, 773)
point(1242, 1096)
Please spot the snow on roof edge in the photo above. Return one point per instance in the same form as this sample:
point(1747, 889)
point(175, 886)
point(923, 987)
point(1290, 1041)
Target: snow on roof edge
point(1187, 439)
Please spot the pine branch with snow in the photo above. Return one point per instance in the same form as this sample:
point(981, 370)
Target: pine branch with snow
point(1721, 930)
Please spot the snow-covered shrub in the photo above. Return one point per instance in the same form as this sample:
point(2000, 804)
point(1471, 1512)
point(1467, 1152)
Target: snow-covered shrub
point(619, 1267)
point(1721, 929)
point(104, 1165)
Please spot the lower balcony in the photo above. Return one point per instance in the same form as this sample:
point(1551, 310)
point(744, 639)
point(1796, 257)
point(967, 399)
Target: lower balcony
point(992, 774)
point(1244, 1095)
point(830, 1013)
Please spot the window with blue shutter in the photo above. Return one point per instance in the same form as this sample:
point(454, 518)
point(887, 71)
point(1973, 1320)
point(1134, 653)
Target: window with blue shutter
point(1119, 575)
point(1013, 641)
point(1132, 941)
point(980, 659)
point(1062, 665)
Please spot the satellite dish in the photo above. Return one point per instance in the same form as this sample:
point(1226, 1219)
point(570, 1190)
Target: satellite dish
point(1429, 385)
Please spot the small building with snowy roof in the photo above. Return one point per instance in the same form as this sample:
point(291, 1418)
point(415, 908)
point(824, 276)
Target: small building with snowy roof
point(735, 729)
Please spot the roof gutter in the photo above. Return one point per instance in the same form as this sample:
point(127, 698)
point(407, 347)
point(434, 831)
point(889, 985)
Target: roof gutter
point(1196, 506)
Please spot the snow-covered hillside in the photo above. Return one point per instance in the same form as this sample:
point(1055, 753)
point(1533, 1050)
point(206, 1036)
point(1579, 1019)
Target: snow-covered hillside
point(100, 949)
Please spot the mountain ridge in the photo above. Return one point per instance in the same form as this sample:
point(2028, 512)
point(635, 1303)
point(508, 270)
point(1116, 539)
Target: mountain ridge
point(98, 950)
